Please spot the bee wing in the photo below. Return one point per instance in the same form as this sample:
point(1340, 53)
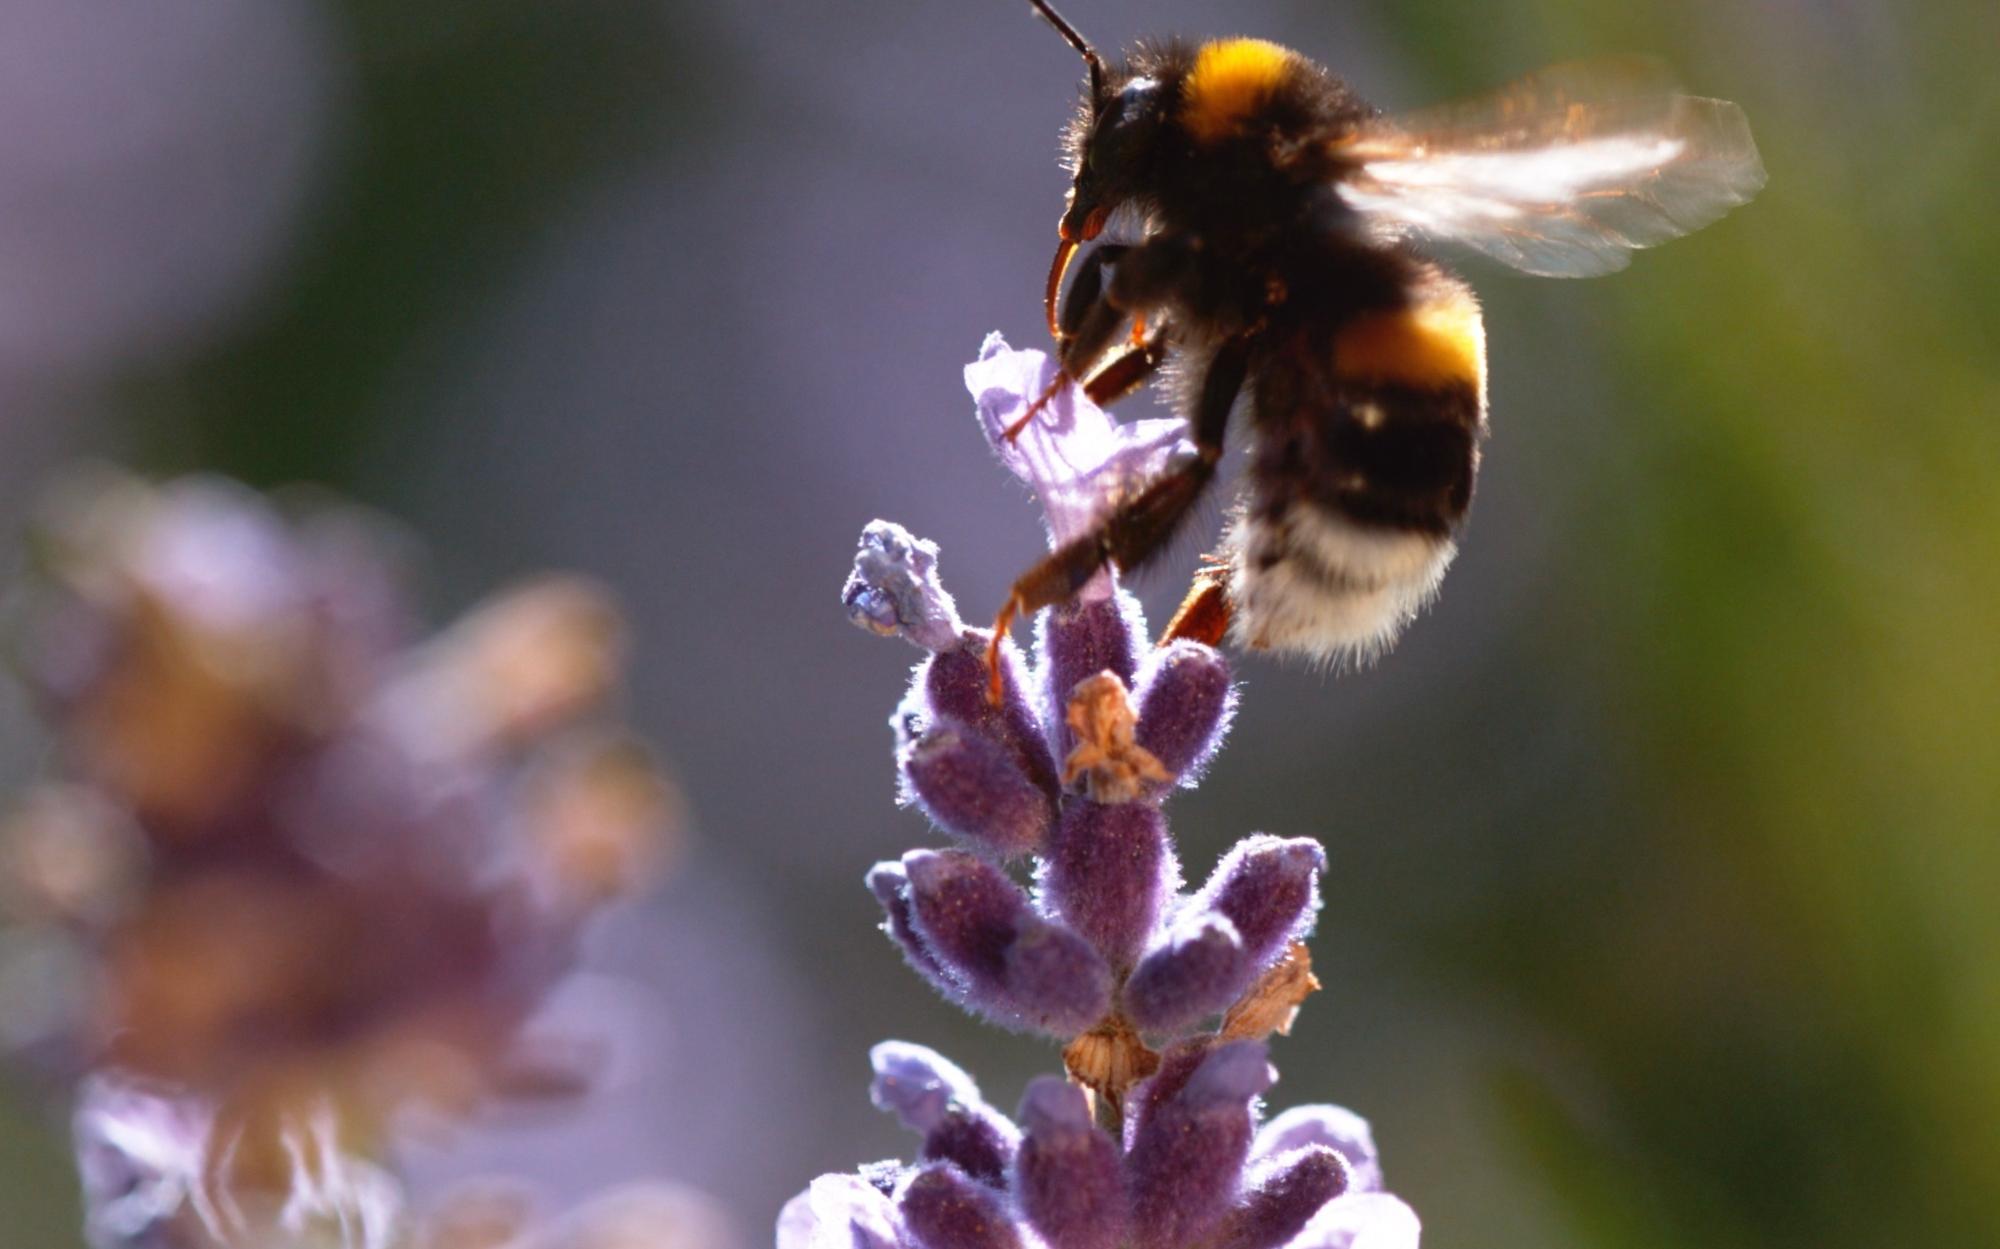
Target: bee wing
point(1561, 173)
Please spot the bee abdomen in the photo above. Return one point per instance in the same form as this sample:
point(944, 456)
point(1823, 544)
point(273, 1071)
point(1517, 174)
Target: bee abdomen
point(1362, 471)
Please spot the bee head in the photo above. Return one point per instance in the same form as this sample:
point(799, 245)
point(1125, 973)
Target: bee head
point(1117, 134)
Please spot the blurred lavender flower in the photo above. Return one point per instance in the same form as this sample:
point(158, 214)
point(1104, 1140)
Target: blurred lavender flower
point(1153, 1139)
point(316, 874)
point(643, 1216)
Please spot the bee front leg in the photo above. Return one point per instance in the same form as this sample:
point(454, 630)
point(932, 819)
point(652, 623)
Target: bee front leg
point(1139, 528)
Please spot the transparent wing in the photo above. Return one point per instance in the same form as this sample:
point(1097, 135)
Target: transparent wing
point(1561, 173)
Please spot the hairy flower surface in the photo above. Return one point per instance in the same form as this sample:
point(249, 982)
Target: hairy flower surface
point(1192, 1167)
point(316, 870)
point(1153, 1140)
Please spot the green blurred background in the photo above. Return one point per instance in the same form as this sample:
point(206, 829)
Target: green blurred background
point(1665, 898)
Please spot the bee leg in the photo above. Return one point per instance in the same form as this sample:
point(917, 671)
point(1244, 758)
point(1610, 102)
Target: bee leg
point(1140, 527)
point(1127, 371)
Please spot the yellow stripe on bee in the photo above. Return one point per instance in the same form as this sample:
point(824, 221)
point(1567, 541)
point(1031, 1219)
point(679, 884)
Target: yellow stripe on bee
point(1434, 343)
point(1230, 80)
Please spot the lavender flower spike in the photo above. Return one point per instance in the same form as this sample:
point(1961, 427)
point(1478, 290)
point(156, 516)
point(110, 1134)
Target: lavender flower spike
point(894, 589)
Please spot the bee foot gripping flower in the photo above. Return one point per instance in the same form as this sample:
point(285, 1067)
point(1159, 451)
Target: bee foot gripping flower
point(1151, 1137)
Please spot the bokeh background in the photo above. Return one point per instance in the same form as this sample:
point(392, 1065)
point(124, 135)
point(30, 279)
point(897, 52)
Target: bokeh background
point(1664, 906)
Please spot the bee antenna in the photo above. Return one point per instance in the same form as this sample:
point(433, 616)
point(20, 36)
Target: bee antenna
point(1077, 41)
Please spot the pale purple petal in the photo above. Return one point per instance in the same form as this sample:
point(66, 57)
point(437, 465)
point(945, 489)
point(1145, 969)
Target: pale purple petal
point(840, 1212)
point(1361, 1221)
point(918, 1084)
point(1334, 1126)
point(1072, 455)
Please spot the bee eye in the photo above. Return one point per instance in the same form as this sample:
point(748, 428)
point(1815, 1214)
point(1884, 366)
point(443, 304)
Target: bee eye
point(1127, 120)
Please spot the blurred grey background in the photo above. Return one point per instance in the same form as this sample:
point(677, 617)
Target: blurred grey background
point(1663, 849)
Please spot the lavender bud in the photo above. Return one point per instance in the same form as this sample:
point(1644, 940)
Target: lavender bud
point(1016, 965)
point(1361, 1221)
point(933, 1096)
point(1188, 1150)
point(1333, 1126)
point(840, 1212)
point(1066, 1175)
point(1284, 1198)
point(1107, 868)
point(945, 1210)
point(894, 589)
point(1269, 888)
point(1080, 639)
point(973, 788)
point(1177, 1064)
point(890, 885)
point(1186, 701)
point(1199, 970)
point(955, 687)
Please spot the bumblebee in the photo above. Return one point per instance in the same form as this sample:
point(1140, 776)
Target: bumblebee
point(1277, 224)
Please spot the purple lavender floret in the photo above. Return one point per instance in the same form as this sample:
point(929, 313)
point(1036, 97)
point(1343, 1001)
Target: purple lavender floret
point(1186, 701)
point(1106, 871)
point(891, 886)
point(934, 1097)
point(1269, 888)
point(943, 1208)
point(1339, 1129)
point(1188, 1146)
point(1196, 972)
point(1260, 899)
point(1192, 1172)
point(1016, 967)
point(1078, 641)
point(1282, 1197)
point(972, 787)
point(1067, 1174)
